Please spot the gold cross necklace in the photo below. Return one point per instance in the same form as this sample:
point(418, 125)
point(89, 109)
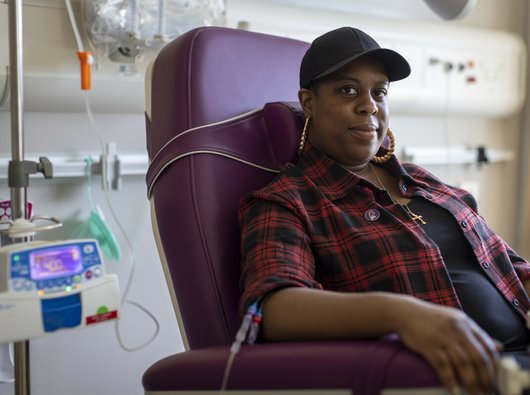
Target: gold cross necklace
point(412, 215)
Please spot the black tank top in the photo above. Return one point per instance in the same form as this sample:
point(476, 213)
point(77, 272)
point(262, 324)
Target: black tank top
point(479, 297)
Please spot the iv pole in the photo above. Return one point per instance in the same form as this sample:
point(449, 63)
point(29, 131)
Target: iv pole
point(18, 174)
point(18, 194)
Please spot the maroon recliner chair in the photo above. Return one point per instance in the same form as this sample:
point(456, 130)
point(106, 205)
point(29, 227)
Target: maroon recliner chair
point(222, 119)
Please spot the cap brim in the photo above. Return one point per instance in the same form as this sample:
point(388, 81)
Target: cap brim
point(396, 66)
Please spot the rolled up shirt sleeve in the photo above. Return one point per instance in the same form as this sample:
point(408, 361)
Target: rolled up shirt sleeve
point(275, 249)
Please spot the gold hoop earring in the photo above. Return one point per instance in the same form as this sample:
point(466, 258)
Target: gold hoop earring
point(304, 136)
point(382, 159)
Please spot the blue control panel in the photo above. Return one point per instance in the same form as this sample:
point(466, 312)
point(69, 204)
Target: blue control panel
point(54, 268)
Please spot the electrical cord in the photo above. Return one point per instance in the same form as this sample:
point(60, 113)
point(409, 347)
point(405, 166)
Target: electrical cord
point(132, 256)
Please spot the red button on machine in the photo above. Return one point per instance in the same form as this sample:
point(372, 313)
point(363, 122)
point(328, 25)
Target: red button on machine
point(88, 274)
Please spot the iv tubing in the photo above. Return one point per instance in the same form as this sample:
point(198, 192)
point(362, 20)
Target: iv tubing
point(74, 26)
point(135, 14)
point(162, 18)
point(241, 335)
point(95, 127)
point(126, 238)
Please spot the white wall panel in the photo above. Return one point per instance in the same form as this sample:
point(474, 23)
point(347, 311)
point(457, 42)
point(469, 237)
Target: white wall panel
point(457, 70)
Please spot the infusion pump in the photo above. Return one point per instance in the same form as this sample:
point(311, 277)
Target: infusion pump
point(47, 286)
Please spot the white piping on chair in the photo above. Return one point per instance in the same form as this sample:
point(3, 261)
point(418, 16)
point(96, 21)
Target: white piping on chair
point(206, 152)
point(148, 80)
point(167, 275)
point(245, 114)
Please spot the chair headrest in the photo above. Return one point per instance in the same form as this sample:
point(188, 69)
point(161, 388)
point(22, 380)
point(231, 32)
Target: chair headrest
point(213, 73)
point(265, 138)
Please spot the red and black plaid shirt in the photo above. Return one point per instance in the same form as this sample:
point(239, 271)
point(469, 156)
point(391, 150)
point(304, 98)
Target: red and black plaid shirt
point(317, 225)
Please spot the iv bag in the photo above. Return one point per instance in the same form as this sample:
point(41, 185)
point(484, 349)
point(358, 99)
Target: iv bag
point(111, 23)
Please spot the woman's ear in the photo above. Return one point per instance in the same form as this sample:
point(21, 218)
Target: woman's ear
point(305, 97)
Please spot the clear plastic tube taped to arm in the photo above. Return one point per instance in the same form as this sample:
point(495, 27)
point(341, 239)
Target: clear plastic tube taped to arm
point(247, 331)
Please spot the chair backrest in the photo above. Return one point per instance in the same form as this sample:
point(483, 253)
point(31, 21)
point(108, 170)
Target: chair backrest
point(211, 139)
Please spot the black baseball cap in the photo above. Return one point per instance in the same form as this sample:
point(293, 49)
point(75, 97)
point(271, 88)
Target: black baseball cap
point(338, 48)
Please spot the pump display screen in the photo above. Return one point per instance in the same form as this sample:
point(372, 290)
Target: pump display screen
point(55, 262)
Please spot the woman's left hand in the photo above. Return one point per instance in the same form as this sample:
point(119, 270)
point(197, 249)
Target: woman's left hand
point(462, 354)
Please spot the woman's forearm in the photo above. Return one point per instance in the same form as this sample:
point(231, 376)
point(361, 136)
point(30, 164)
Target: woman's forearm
point(456, 347)
point(303, 314)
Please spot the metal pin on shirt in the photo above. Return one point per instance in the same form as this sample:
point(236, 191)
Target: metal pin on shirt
point(372, 214)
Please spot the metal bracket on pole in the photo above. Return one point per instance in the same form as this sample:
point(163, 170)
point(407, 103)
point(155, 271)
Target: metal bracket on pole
point(19, 170)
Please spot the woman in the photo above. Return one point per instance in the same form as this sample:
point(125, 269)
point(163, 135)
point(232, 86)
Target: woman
point(350, 243)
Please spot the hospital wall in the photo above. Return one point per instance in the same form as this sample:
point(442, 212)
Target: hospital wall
point(90, 361)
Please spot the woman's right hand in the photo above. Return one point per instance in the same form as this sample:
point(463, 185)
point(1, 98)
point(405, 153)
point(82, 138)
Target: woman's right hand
point(461, 353)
